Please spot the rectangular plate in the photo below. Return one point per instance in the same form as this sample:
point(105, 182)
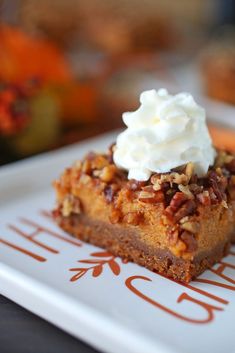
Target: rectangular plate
point(114, 306)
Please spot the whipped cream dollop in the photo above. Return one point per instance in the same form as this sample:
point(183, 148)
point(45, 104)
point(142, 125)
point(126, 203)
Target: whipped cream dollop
point(165, 132)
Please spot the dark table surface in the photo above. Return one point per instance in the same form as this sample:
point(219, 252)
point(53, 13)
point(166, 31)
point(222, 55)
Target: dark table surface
point(23, 332)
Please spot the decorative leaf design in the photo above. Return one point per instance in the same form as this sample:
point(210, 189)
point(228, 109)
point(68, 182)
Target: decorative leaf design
point(81, 272)
point(98, 264)
point(91, 261)
point(97, 271)
point(114, 267)
point(101, 254)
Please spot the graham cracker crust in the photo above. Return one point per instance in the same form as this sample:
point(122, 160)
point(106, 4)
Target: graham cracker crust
point(125, 242)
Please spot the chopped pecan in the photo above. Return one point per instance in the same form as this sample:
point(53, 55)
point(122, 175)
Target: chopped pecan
point(99, 162)
point(85, 179)
point(185, 189)
point(107, 173)
point(71, 204)
point(185, 210)
point(178, 199)
point(191, 226)
point(172, 235)
point(189, 240)
point(109, 192)
point(86, 167)
point(214, 181)
point(173, 178)
point(195, 188)
point(204, 198)
point(148, 195)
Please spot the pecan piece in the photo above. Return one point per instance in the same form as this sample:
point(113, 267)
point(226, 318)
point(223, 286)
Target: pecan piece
point(109, 192)
point(148, 195)
point(217, 189)
point(71, 204)
point(107, 173)
point(189, 240)
point(185, 210)
point(204, 198)
point(185, 189)
point(190, 226)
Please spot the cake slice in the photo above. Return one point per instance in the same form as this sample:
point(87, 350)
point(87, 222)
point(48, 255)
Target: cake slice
point(175, 223)
point(162, 196)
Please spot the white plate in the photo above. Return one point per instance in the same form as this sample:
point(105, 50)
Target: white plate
point(124, 308)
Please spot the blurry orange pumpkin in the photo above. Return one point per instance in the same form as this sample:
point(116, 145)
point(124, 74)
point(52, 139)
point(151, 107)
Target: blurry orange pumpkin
point(23, 58)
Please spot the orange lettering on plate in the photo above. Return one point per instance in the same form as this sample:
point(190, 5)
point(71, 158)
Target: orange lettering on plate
point(184, 296)
point(23, 251)
point(197, 290)
point(42, 229)
point(30, 237)
point(219, 272)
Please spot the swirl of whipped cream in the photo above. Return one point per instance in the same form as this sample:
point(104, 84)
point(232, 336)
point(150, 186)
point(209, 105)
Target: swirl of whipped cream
point(165, 132)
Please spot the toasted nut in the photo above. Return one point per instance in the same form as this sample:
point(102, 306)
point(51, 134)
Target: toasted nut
point(190, 241)
point(84, 179)
point(173, 178)
point(186, 191)
point(151, 196)
point(204, 198)
point(86, 167)
point(179, 248)
point(107, 173)
point(192, 227)
point(70, 205)
point(99, 162)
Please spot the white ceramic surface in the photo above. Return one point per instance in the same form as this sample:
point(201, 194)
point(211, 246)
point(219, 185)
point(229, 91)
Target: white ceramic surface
point(114, 306)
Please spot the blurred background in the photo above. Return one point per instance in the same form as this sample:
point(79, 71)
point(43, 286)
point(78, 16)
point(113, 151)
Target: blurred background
point(68, 69)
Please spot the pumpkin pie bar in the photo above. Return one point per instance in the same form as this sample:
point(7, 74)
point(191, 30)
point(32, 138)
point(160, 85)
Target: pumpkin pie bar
point(175, 223)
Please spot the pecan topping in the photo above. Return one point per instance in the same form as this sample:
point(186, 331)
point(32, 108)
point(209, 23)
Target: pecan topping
point(204, 198)
point(71, 204)
point(86, 167)
point(107, 173)
point(189, 240)
point(148, 195)
point(185, 189)
point(173, 178)
point(190, 226)
point(215, 183)
point(180, 206)
point(110, 191)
